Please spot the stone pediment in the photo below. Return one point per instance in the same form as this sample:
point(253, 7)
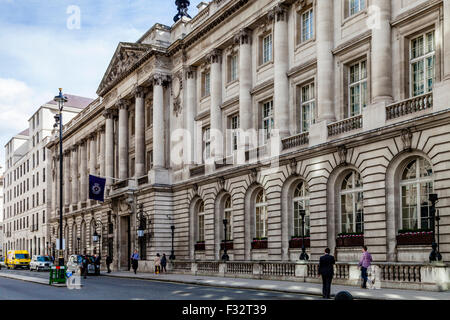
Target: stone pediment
point(127, 55)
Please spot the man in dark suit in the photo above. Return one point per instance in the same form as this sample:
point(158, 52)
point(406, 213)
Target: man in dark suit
point(326, 270)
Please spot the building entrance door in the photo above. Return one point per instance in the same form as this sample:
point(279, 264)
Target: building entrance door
point(124, 243)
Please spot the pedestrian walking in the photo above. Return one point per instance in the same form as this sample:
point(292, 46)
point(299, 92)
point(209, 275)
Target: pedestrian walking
point(364, 263)
point(163, 263)
point(109, 260)
point(97, 264)
point(157, 263)
point(134, 261)
point(326, 270)
point(84, 265)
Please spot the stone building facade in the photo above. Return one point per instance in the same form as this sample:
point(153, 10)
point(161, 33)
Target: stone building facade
point(255, 110)
point(27, 180)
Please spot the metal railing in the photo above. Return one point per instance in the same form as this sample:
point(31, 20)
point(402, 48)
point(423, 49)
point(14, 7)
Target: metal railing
point(296, 141)
point(409, 106)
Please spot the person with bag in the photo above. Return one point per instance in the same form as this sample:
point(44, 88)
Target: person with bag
point(84, 265)
point(109, 260)
point(364, 263)
point(157, 263)
point(134, 260)
point(163, 263)
point(326, 270)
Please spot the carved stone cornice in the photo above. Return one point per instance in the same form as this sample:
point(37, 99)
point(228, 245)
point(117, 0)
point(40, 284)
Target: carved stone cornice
point(278, 13)
point(214, 56)
point(244, 36)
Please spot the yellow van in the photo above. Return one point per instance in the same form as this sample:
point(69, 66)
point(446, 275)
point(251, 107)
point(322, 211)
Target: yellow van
point(18, 259)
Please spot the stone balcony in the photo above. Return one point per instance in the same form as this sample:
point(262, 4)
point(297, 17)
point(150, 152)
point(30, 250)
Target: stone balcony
point(409, 106)
point(298, 140)
point(344, 126)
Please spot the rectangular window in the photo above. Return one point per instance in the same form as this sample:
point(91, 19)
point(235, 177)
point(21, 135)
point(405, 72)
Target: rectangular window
point(43, 175)
point(43, 154)
point(43, 196)
point(229, 217)
point(149, 116)
point(267, 120)
point(267, 49)
point(206, 84)
point(133, 128)
point(307, 108)
point(307, 25)
point(201, 227)
point(261, 223)
point(357, 88)
point(132, 167)
point(233, 68)
point(422, 63)
point(356, 6)
point(234, 123)
point(206, 144)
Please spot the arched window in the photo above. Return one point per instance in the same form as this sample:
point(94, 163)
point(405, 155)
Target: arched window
point(201, 222)
point(352, 210)
point(261, 218)
point(228, 214)
point(416, 184)
point(301, 202)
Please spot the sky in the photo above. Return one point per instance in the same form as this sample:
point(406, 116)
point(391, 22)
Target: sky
point(48, 44)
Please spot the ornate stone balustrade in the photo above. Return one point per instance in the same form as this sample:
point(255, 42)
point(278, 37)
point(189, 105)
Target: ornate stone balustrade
point(409, 106)
point(278, 269)
point(296, 141)
point(208, 267)
point(345, 125)
point(198, 170)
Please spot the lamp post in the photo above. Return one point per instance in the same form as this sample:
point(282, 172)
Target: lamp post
point(435, 255)
point(97, 237)
point(60, 99)
point(143, 221)
point(172, 253)
point(303, 256)
point(225, 256)
point(78, 245)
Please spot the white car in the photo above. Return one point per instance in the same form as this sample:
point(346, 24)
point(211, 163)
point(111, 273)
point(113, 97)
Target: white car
point(40, 263)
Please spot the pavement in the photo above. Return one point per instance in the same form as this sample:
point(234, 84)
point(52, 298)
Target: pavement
point(287, 287)
point(292, 287)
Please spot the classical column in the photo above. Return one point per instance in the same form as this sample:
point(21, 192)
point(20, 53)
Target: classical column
point(74, 174)
point(93, 153)
point(66, 178)
point(140, 132)
point(382, 54)
point(159, 159)
point(446, 37)
point(109, 146)
point(101, 133)
point(325, 67)
point(191, 89)
point(244, 38)
point(281, 66)
point(215, 58)
point(83, 173)
point(123, 139)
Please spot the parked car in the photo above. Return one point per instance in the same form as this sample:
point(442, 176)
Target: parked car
point(74, 264)
point(2, 262)
point(40, 263)
point(18, 259)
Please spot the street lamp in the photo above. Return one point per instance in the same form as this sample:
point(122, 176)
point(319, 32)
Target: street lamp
point(303, 256)
point(172, 253)
point(435, 255)
point(225, 256)
point(97, 237)
point(60, 99)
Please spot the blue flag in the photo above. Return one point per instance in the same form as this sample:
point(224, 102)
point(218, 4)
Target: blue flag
point(97, 188)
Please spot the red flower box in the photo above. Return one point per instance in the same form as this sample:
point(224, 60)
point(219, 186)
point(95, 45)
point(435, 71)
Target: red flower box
point(345, 241)
point(229, 245)
point(259, 244)
point(415, 238)
point(296, 243)
point(200, 246)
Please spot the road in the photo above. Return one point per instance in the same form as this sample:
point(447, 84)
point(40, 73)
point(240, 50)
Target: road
point(107, 288)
